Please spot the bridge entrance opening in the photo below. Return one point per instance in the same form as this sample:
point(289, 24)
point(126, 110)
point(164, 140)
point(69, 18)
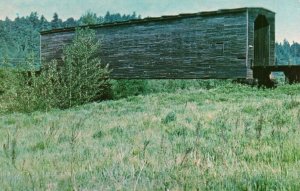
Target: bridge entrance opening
point(261, 41)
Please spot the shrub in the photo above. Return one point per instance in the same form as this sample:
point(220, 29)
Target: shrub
point(10, 78)
point(80, 79)
point(6, 76)
point(126, 88)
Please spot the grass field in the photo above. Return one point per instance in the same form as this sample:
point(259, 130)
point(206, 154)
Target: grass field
point(227, 137)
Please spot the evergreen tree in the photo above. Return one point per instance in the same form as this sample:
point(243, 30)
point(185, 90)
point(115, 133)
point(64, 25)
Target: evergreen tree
point(56, 22)
point(89, 18)
point(70, 22)
point(44, 24)
point(34, 19)
point(107, 17)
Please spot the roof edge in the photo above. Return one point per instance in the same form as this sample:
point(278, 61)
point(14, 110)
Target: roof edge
point(153, 19)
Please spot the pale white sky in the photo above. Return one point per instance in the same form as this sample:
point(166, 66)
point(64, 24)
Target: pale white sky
point(287, 18)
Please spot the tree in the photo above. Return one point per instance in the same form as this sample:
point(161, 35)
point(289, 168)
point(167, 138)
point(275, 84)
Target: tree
point(133, 15)
point(56, 22)
point(70, 22)
point(34, 19)
point(88, 18)
point(44, 24)
point(107, 17)
point(287, 53)
point(83, 77)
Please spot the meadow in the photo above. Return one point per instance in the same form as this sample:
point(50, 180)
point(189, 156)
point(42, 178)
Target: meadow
point(175, 135)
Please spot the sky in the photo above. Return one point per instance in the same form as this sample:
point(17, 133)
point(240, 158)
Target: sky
point(287, 12)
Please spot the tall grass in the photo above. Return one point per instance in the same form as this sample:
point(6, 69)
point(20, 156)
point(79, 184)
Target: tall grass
point(229, 137)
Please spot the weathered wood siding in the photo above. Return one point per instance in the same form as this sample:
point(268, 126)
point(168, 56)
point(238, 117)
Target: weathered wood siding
point(199, 45)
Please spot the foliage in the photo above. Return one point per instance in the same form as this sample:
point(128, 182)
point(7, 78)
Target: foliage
point(83, 77)
point(25, 90)
point(80, 79)
point(127, 88)
point(56, 22)
point(5, 79)
point(89, 18)
point(8, 87)
point(287, 53)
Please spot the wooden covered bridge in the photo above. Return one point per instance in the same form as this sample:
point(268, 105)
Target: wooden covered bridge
point(224, 44)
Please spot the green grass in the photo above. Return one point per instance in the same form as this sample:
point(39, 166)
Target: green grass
point(225, 137)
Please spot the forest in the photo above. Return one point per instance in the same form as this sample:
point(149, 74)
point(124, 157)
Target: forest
point(19, 38)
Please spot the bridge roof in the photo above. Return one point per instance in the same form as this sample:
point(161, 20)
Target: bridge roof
point(156, 19)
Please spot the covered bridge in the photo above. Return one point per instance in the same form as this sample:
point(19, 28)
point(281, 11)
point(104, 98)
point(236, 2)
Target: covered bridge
point(223, 44)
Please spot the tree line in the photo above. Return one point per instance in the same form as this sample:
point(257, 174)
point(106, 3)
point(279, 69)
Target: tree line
point(19, 38)
point(287, 53)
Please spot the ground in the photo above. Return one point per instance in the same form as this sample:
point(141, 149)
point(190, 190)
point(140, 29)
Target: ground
point(230, 137)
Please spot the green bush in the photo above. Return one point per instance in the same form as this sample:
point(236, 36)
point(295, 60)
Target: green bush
point(4, 80)
point(8, 87)
point(80, 79)
point(24, 89)
point(126, 88)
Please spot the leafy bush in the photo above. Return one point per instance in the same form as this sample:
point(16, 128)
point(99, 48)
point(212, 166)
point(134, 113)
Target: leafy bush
point(80, 79)
point(8, 86)
point(4, 80)
point(126, 88)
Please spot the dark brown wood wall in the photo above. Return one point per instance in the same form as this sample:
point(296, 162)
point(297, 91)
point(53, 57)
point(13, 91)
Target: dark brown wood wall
point(207, 46)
